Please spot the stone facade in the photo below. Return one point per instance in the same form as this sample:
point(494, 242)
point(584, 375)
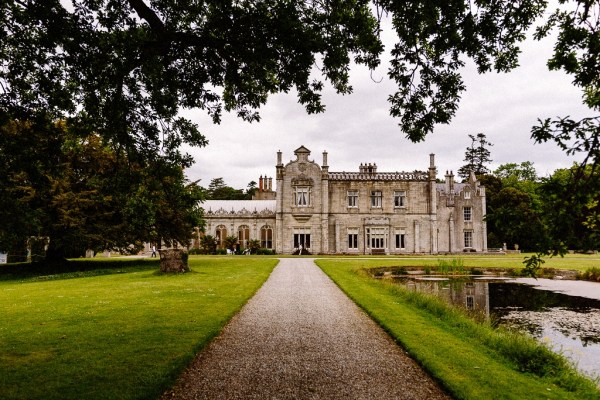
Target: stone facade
point(364, 212)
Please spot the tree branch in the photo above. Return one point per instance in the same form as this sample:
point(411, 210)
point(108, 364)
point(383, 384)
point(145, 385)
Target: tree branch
point(147, 14)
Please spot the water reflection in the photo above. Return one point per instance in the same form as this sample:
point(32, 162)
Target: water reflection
point(569, 324)
point(470, 294)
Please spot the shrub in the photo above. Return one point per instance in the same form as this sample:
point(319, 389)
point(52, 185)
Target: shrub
point(254, 246)
point(28, 270)
point(265, 252)
point(194, 251)
point(208, 244)
point(399, 271)
point(456, 266)
point(590, 274)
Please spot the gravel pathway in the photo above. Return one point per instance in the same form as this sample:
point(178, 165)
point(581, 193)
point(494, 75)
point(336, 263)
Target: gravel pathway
point(301, 337)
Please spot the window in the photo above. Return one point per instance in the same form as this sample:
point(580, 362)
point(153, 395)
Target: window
point(220, 235)
point(352, 238)
point(352, 198)
point(467, 194)
point(467, 213)
point(376, 199)
point(470, 302)
point(376, 238)
point(400, 199)
point(266, 237)
point(302, 197)
point(400, 239)
point(468, 238)
point(243, 236)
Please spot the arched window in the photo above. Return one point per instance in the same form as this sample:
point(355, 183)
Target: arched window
point(243, 236)
point(220, 235)
point(266, 237)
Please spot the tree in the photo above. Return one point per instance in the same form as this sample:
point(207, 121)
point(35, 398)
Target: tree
point(522, 176)
point(514, 207)
point(576, 52)
point(208, 244)
point(134, 64)
point(517, 220)
point(76, 191)
point(476, 157)
point(253, 245)
point(524, 171)
point(575, 227)
point(218, 190)
point(230, 242)
point(493, 185)
point(124, 70)
point(251, 190)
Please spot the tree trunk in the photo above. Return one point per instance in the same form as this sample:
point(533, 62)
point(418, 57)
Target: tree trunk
point(173, 261)
point(55, 255)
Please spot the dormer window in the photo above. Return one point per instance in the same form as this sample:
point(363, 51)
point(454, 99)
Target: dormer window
point(467, 195)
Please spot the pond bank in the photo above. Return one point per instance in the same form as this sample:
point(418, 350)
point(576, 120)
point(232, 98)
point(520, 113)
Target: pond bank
point(548, 273)
point(472, 360)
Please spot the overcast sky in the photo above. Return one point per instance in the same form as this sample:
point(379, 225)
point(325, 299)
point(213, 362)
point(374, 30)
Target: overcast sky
point(357, 128)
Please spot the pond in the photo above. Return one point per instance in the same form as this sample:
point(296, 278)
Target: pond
point(562, 313)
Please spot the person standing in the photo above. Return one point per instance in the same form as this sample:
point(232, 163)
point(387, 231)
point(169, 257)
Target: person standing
point(153, 251)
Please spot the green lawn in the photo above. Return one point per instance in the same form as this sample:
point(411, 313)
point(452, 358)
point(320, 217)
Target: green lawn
point(576, 262)
point(116, 336)
point(127, 333)
point(473, 361)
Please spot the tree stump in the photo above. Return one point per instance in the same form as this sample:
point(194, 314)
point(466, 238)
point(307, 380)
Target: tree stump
point(173, 261)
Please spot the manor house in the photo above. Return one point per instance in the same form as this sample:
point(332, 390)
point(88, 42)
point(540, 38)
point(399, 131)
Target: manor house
point(363, 212)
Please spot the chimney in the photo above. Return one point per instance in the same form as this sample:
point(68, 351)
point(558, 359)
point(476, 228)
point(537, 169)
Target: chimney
point(432, 168)
point(270, 184)
point(279, 163)
point(260, 184)
point(449, 182)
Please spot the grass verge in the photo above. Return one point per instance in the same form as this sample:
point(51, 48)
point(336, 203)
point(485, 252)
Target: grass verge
point(576, 262)
point(116, 336)
point(472, 360)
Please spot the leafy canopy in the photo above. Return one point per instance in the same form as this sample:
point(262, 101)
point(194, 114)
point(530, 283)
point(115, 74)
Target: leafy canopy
point(125, 68)
point(77, 192)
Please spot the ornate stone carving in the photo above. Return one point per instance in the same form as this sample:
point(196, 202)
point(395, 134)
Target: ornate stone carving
point(302, 180)
point(377, 221)
point(301, 217)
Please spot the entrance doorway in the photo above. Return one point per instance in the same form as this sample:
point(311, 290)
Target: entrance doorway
point(377, 238)
point(301, 240)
